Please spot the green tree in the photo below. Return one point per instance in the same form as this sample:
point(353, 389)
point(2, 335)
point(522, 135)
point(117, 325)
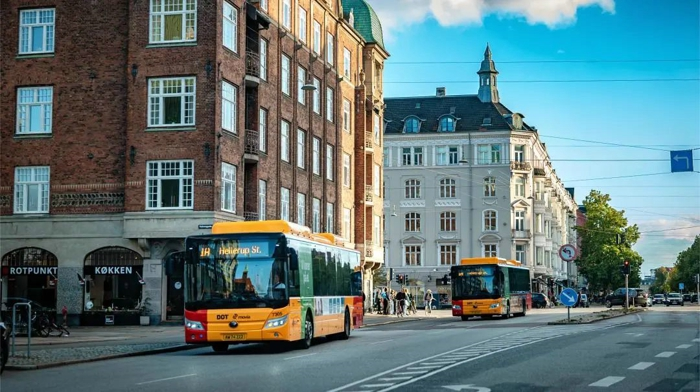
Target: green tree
point(687, 265)
point(661, 282)
point(601, 257)
point(379, 277)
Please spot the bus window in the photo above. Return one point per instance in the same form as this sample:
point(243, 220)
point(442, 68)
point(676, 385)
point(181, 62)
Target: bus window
point(293, 277)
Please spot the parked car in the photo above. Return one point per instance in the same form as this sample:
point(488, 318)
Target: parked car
point(687, 298)
point(636, 297)
point(659, 299)
point(539, 301)
point(674, 299)
point(694, 298)
point(650, 302)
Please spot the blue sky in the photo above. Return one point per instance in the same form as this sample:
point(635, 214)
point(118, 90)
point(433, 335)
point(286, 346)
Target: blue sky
point(532, 41)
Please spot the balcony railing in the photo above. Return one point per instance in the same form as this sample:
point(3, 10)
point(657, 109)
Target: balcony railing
point(252, 141)
point(517, 165)
point(369, 144)
point(369, 194)
point(250, 216)
point(521, 233)
point(252, 64)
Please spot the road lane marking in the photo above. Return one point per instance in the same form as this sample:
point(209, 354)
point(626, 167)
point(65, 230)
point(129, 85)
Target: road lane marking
point(428, 367)
point(395, 378)
point(641, 366)
point(684, 346)
point(301, 356)
point(377, 385)
point(410, 373)
point(166, 379)
point(382, 341)
point(696, 340)
point(665, 354)
point(606, 382)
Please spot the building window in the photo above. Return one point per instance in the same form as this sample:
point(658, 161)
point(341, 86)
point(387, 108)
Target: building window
point(171, 101)
point(229, 93)
point(520, 220)
point(412, 156)
point(262, 129)
point(262, 200)
point(317, 96)
point(447, 124)
point(284, 204)
point(32, 189)
point(539, 254)
point(329, 104)
point(519, 187)
point(301, 79)
point(316, 215)
point(301, 209)
point(330, 218)
point(302, 25)
point(446, 155)
point(539, 224)
point(376, 232)
point(317, 37)
point(316, 156)
point(520, 254)
point(490, 220)
point(36, 30)
point(301, 148)
point(448, 188)
point(329, 162)
point(448, 254)
point(490, 187)
point(286, 14)
point(490, 250)
point(346, 115)
point(346, 170)
point(346, 63)
point(230, 27)
point(412, 255)
point(173, 21)
point(412, 189)
point(386, 157)
point(489, 154)
point(448, 221)
point(412, 222)
point(263, 59)
point(375, 179)
point(34, 110)
point(330, 50)
point(228, 187)
point(377, 128)
point(285, 74)
point(412, 125)
point(263, 5)
point(347, 223)
point(284, 140)
point(519, 153)
point(170, 184)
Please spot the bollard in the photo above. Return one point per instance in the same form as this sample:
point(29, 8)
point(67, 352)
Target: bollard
point(29, 326)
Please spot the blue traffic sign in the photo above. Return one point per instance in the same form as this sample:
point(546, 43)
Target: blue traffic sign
point(568, 297)
point(681, 161)
point(681, 286)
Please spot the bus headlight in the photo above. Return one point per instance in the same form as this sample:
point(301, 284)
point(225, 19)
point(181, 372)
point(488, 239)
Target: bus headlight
point(189, 324)
point(494, 306)
point(456, 307)
point(276, 322)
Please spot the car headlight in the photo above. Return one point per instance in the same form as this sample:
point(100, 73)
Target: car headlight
point(494, 306)
point(276, 322)
point(456, 307)
point(190, 324)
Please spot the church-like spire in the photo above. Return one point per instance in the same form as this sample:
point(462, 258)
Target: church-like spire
point(488, 87)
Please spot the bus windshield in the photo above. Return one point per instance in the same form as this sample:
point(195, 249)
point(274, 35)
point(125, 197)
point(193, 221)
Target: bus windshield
point(476, 282)
point(231, 274)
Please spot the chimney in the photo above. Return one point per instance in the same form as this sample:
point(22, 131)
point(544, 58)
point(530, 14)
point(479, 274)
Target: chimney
point(440, 92)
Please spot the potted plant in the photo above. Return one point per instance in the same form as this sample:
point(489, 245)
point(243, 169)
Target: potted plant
point(145, 310)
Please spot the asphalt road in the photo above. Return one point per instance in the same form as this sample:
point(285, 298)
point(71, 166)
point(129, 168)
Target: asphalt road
point(519, 354)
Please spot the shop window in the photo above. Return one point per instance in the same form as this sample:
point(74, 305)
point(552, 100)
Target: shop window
point(30, 274)
point(114, 277)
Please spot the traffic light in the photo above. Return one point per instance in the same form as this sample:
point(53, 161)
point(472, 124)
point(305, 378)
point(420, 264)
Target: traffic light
point(626, 267)
point(398, 278)
point(696, 278)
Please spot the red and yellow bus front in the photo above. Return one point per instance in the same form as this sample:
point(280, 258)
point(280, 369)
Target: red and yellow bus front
point(479, 307)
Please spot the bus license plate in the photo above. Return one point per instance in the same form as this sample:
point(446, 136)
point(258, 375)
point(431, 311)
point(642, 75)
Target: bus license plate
point(235, 336)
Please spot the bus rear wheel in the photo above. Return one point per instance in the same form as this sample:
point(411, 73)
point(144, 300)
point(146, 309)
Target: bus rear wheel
point(465, 318)
point(305, 342)
point(345, 335)
point(220, 347)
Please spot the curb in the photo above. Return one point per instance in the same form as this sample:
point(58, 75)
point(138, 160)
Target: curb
point(181, 347)
point(564, 322)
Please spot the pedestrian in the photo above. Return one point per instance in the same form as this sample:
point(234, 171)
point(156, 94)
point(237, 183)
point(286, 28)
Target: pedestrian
point(64, 311)
point(428, 299)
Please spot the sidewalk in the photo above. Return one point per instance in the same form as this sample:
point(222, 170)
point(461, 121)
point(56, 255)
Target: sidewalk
point(374, 319)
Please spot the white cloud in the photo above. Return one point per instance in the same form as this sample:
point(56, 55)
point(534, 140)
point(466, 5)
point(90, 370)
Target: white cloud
point(671, 228)
point(397, 15)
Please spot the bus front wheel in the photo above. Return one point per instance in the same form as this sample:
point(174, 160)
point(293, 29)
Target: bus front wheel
point(220, 347)
point(465, 318)
point(308, 332)
point(507, 315)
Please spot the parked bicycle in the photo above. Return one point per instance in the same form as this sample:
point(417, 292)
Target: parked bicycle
point(4, 345)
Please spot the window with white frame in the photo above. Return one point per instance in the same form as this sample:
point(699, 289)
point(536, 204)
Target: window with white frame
point(412, 189)
point(301, 148)
point(411, 125)
point(329, 162)
point(448, 221)
point(520, 254)
point(490, 250)
point(346, 115)
point(173, 21)
point(520, 220)
point(317, 37)
point(329, 104)
point(377, 128)
point(302, 25)
point(346, 170)
point(386, 157)
point(263, 5)
point(519, 186)
point(171, 101)
point(519, 153)
point(446, 155)
point(228, 187)
point(447, 124)
point(413, 255)
point(262, 129)
point(539, 255)
point(32, 184)
point(347, 223)
point(330, 50)
point(448, 188)
point(539, 223)
point(317, 96)
point(230, 27)
point(330, 218)
point(377, 230)
point(37, 30)
point(346, 63)
point(229, 94)
point(412, 222)
point(412, 156)
point(284, 140)
point(284, 204)
point(287, 14)
point(301, 79)
point(375, 179)
point(489, 154)
point(316, 156)
point(263, 59)
point(170, 184)
point(490, 220)
point(316, 215)
point(262, 200)
point(301, 209)
point(490, 187)
point(34, 110)
point(285, 74)
point(448, 254)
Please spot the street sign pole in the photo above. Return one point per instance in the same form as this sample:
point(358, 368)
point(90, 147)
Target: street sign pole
point(627, 291)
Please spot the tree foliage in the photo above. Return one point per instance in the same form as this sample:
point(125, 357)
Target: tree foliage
point(661, 281)
point(686, 266)
point(379, 277)
point(601, 258)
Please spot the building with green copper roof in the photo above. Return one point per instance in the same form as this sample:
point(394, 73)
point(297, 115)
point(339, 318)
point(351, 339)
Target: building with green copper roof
point(364, 20)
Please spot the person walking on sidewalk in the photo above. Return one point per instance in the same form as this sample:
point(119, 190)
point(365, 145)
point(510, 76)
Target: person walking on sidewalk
point(400, 303)
point(428, 298)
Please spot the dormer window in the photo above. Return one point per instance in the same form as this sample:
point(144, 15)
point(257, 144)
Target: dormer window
point(487, 121)
point(447, 124)
point(411, 125)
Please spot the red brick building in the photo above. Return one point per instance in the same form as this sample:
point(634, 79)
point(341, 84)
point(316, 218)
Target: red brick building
point(127, 125)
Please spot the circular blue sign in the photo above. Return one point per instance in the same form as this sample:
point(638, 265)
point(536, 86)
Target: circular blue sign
point(568, 297)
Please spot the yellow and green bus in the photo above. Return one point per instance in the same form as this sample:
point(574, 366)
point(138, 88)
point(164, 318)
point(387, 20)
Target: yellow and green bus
point(490, 286)
point(269, 281)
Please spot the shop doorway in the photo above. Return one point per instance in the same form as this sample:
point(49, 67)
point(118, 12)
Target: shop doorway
point(114, 280)
point(175, 275)
point(30, 274)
